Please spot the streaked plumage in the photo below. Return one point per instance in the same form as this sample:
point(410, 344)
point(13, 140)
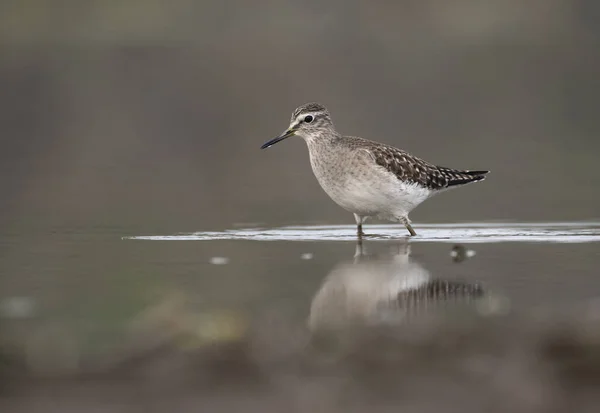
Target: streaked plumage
point(409, 168)
point(365, 177)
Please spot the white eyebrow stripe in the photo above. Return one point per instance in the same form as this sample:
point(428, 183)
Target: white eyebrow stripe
point(301, 116)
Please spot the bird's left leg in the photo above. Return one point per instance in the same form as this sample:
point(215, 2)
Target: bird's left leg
point(406, 223)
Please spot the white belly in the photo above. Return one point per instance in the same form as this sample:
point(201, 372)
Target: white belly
point(363, 188)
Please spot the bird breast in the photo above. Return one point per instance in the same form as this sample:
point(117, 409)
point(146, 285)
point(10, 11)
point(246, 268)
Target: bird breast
point(355, 182)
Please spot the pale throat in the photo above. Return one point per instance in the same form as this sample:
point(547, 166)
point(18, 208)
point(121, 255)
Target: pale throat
point(317, 137)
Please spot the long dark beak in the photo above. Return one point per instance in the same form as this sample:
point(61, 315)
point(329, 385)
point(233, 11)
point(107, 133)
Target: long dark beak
point(285, 135)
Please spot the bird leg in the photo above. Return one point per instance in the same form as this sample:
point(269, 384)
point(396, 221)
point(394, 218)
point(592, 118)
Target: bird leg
point(359, 231)
point(359, 222)
point(406, 223)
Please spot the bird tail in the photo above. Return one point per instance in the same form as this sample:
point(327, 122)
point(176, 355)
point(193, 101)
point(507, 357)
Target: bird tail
point(456, 177)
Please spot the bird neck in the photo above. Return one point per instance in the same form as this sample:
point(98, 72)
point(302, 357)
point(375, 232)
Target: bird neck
point(320, 138)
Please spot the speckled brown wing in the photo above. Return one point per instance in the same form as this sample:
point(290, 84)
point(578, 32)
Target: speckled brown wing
point(409, 168)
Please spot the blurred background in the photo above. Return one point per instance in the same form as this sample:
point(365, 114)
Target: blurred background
point(139, 117)
point(152, 113)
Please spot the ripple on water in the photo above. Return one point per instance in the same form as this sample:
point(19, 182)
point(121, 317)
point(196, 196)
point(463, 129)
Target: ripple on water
point(473, 232)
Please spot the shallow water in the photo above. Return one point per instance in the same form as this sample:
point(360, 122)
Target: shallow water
point(92, 283)
point(475, 232)
point(529, 264)
point(80, 301)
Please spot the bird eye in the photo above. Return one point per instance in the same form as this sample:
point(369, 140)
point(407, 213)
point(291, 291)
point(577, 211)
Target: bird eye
point(308, 118)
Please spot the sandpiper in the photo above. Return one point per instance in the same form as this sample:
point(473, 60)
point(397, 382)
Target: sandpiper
point(367, 178)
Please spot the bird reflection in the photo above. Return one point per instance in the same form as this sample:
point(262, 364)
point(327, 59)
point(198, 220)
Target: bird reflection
point(388, 289)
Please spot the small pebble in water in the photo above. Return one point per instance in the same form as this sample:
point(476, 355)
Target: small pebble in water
point(307, 256)
point(219, 260)
point(460, 253)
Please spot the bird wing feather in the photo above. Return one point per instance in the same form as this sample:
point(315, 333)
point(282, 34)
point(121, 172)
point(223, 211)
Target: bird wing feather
point(409, 168)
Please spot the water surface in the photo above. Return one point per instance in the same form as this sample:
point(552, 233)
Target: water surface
point(108, 301)
point(476, 232)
